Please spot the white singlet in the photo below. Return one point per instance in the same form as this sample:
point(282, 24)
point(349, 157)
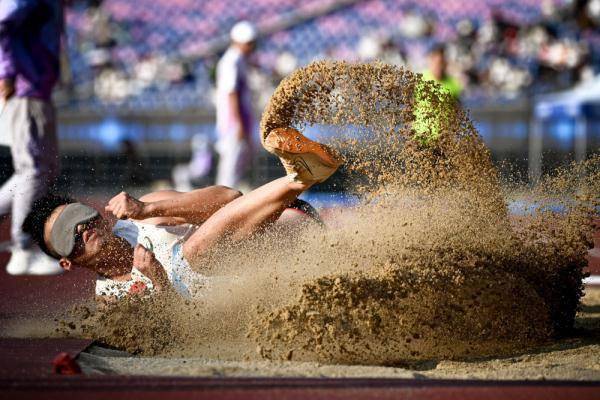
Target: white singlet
point(166, 244)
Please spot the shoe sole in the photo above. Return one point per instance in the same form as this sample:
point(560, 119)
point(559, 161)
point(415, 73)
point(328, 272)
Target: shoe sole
point(290, 141)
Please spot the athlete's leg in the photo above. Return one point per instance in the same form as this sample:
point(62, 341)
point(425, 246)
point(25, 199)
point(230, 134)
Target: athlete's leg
point(306, 162)
point(244, 216)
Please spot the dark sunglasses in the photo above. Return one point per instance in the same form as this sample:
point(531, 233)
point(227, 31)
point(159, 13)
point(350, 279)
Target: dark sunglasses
point(78, 235)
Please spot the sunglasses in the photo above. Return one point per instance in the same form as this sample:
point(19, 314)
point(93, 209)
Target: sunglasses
point(78, 235)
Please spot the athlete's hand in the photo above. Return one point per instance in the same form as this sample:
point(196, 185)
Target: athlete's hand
point(145, 262)
point(7, 89)
point(124, 206)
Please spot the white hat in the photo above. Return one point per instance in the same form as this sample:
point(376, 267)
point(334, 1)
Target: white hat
point(243, 32)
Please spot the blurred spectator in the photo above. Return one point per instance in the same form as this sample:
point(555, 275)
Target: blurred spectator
point(101, 33)
point(112, 85)
point(234, 107)
point(30, 34)
point(286, 64)
point(146, 71)
point(179, 72)
point(438, 71)
point(392, 53)
point(415, 24)
point(369, 48)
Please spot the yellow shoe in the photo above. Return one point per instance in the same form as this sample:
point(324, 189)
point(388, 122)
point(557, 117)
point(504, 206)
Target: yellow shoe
point(304, 160)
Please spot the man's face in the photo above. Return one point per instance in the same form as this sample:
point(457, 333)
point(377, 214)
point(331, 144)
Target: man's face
point(247, 48)
point(92, 241)
point(437, 64)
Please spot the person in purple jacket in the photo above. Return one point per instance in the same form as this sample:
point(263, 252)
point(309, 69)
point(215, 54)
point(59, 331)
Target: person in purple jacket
point(30, 37)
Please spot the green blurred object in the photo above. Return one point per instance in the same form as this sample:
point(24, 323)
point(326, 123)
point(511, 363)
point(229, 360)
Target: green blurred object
point(448, 83)
point(434, 106)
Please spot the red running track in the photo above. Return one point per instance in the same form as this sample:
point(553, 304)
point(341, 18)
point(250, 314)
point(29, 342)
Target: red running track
point(160, 388)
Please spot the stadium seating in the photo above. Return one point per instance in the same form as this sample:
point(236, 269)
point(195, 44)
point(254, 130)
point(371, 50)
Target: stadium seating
point(120, 34)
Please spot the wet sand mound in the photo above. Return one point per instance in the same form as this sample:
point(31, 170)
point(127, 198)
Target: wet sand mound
point(401, 315)
point(430, 281)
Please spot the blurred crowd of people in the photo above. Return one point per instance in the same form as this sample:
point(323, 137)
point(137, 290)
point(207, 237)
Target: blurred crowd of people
point(499, 56)
point(117, 78)
point(553, 53)
point(489, 56)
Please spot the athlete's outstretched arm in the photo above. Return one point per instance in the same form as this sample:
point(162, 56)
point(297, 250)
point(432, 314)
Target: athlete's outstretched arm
point(169, 207)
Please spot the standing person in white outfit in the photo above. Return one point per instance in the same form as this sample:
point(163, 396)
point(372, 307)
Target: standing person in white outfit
point(234, 107)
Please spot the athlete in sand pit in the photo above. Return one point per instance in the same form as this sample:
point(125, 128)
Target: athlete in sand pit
point(159, 235)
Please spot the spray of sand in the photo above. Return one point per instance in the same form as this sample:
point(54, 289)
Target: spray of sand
point(428, 265)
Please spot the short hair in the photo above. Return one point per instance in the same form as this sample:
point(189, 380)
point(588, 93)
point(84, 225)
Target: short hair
point(438, 48)
point(36, 219)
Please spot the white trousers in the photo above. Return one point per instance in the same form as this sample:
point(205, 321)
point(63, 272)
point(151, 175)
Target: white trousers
point(30, 127)
point(235, 157)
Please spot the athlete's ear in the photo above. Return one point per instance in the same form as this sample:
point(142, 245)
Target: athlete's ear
point(65, 263)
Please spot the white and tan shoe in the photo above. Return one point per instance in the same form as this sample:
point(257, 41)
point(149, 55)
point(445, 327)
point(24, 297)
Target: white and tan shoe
point(304, 160)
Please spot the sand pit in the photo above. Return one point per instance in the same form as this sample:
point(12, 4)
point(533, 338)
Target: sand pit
point(575, 357)
point(428, 265)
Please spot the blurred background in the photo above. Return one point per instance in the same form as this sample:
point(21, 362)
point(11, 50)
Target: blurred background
point(136, 104)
